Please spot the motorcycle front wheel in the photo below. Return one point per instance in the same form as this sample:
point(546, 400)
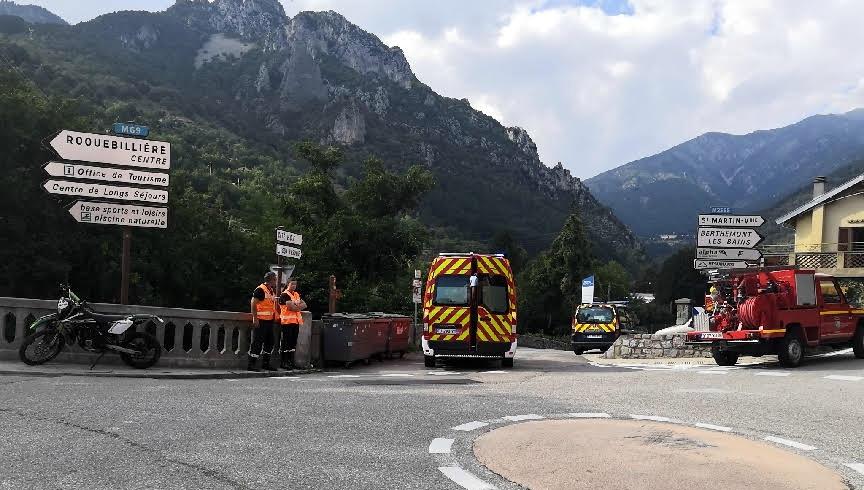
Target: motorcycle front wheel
point(149, 350)
point(41, 347)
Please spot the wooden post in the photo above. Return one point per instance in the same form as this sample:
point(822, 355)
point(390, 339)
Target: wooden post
point(335, 294)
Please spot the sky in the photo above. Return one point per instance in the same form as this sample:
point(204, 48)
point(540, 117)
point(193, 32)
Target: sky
point(599, 83)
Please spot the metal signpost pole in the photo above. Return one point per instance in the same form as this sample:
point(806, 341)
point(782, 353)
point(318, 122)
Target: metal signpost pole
point(125, 265)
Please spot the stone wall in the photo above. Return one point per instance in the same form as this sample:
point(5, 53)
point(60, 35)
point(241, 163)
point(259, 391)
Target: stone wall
point(647, 346)
point(540, 342)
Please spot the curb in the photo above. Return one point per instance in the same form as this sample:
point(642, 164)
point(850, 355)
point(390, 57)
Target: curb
point(153, 375)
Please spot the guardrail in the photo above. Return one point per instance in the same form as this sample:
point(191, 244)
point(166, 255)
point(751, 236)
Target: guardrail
point(189, 338)
point(829, 255)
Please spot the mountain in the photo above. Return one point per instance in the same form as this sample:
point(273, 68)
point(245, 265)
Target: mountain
point(245, 67)
point(31, 13)
point(664, 193)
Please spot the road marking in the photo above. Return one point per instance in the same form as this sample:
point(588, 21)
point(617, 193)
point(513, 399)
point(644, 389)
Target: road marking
point(344, 376)
point(841, 377)
point(493, 372)
point(855, 466)
point(519, 418)
point(787, 442)
point(713, 372)
point(295, 378)
point(719, 428)
point(442, 373)
point(778, 374)
point(440, 445)
point(588, 415)
point(470, 426)
point(464, 479)
point(650, 417)
point(397, 375)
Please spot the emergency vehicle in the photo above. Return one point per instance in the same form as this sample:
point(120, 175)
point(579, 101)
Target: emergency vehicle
point(779, 311)
point(598, 325)
point(469, 308)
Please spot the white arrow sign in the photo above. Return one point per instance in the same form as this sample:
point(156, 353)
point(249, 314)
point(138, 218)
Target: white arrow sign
point(288, 237)
point(286, 251)
point(730, 220)
point(727, 238)
point(129, 152)
point(728, 253)
point(719, 264)
point(119, 214)
point(102, 191)
point(73, 170)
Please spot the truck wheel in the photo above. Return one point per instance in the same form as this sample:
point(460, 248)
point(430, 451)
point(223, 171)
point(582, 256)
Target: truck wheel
point(578, 352)
point(791, 351)
point(429, 361)
point(507, 362)
point(724, 358)
point(858, 343)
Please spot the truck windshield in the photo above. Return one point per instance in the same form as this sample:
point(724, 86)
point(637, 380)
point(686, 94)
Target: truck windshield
point(494, 293)
point(451, 290)
point(599, 314)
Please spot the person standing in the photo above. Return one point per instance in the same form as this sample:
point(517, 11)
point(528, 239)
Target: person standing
point(291, 308)
point(263, 319)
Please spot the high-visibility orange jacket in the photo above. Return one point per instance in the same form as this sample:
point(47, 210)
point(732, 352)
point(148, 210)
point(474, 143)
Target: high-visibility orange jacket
point(266, 308)
point(289, 316)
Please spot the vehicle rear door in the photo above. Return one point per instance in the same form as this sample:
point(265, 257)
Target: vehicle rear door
point(446, 306)
point(835, 315)
point(496, 303)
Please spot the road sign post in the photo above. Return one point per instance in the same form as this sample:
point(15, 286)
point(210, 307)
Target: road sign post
point(719, 264)
point(722, 244)
point(125, 266)
point(728, 238)
point(728, 253)
point(113, 150)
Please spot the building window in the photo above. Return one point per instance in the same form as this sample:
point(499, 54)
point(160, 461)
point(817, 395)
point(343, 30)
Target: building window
point(850, 239)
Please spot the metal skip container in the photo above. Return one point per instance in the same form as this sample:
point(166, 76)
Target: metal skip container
point(350, 337)
point(398, 333)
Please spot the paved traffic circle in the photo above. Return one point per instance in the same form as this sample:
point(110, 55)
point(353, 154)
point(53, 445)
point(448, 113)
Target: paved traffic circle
point(643, 454)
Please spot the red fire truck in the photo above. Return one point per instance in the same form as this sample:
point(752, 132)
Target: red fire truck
point(779, 311)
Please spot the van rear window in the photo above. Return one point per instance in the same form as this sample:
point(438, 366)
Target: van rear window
point(600, 314)
point(451, 290)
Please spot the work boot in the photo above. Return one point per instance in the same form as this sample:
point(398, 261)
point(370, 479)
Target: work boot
point(252, 366)
point(286, 364)
point(265, 364)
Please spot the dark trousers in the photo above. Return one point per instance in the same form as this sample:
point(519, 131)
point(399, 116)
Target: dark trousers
point(262, 339)
point(289, 337)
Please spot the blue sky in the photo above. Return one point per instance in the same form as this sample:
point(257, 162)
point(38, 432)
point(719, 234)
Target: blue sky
point(599, 83)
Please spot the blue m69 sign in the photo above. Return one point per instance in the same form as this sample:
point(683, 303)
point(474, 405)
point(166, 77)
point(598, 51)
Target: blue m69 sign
point(131, 129)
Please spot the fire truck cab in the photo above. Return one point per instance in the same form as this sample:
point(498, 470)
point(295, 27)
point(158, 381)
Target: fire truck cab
point(469, 308)
point(783, 312)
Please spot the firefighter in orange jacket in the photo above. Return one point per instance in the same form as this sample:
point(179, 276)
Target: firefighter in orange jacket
point(291, 316)
point(264, 317)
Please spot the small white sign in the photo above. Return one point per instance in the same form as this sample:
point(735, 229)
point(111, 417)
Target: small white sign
point(101, 148)
point(119, 214)
point(727, 238)
point(417, 296)
point(730, 220)
point(286, 251)
point(103, 191)
point(728, 253)
point(417, 283)
point(417, 274)
point(719, 264)
point(288, 237)
point(87, 172)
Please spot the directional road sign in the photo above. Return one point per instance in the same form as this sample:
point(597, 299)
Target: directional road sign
point(100, 148)
point(727, 238)
point(119, 214)
point(721, 210)
point(131, 129)
point(77, 171)
point(719, 264)
point(102, 191)
point(288, 237)
point(286, 251)
point(728, 253)
point(730, 220)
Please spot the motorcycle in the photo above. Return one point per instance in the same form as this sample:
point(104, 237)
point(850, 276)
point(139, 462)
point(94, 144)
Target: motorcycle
point(76, 322)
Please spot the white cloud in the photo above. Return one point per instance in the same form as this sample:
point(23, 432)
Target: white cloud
point(596, 90)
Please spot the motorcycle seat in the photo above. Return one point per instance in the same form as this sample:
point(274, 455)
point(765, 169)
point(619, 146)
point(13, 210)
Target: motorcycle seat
point(99, 317)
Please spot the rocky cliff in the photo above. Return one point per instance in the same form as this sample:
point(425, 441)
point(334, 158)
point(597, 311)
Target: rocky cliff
point(31, 13)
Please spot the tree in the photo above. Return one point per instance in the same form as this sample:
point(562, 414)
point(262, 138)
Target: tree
point(504, 242)
point(678, 279)
point(611, 281)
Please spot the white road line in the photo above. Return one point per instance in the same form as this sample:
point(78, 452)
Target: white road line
point(778, 374)
point(442, 373)
point(344, 376)
point(855, 466)
point(470, 426)
point(464, 479)
point(397, 375)
point(650, 417)
point(841, 377)
point(493, 372)
point(519, 418)
point(787, 442)
point(713, 372)
point(295, 378)
point(588, 415)
point(719, 428)
point(440, 445)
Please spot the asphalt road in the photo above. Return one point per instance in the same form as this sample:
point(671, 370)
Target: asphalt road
point(371, 426)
